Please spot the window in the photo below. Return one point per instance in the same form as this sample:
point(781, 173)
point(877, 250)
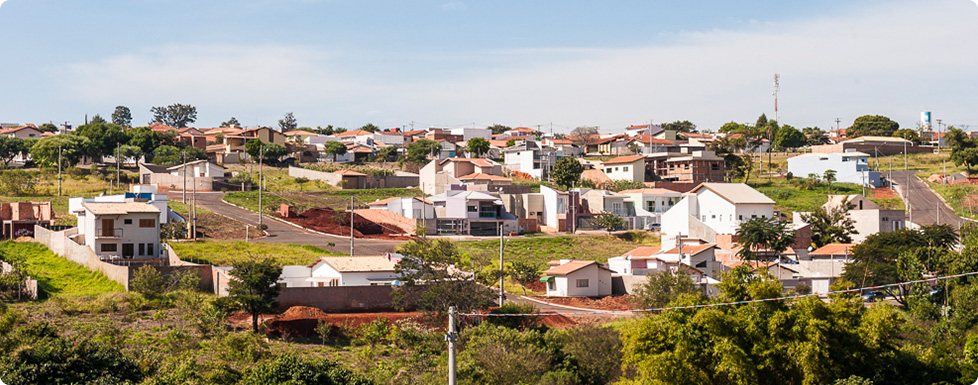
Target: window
point(487, 212)
point(110, 247)
point(607, 169)
point(473, 209)
point(582, 283)
point(703, 217)
point(625, 169)
point(334, 282)
point(715, 167)
point(551, 286)
point(650, 206)
point(560, 206)
point(127, 221)
point(147, 223)
point(142, 249)
point(740, 217)
point(714, 216)
point(753, 216)
point(149, 250)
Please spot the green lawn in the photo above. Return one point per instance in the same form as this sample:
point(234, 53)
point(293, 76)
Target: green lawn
point(539, 250)
point(225, 253)
point(789, 197)
point(56, 276)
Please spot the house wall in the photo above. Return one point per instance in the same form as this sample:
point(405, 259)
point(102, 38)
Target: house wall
point(369, 181)
point(849, 168)
point(599, 283)
point(177, 182)
point(634, 171)
point(354, 278)
point(675, 221)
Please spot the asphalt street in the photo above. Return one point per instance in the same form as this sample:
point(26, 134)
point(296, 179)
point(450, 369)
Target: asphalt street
point(926, 207)
point(279, 232)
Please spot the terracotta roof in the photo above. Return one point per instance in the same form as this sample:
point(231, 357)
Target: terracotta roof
point(301, 132)
point(644, 251)
point(349, 173)
point(383, 202)
point(119, 208)
point(625, 159)
point(833, 249)
point(477, 161)
point(522, 129)
point(570, 267)
point(357, 264)
point(597, 176)
point(479, 175)
point(646, 138)
point(354, 133)
point(653, 191)
point(498, 143)
point(15, 129)
point(560, 141)
point(689, 249)
point(415, 132)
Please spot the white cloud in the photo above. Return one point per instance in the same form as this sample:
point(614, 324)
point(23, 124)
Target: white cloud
point(454, 6)
point(894, 61)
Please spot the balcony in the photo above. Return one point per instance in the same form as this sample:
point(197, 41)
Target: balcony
point(105, 232)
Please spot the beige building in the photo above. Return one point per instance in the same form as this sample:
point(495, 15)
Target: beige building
point(868, 216)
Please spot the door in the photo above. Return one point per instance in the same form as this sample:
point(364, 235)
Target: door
point(128, 250)
point(108, 227)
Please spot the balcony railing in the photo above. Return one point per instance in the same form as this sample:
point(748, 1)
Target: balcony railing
point(103, 232)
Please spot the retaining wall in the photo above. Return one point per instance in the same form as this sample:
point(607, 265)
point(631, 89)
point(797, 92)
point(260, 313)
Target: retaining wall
point(338, 299)
point(59, 243)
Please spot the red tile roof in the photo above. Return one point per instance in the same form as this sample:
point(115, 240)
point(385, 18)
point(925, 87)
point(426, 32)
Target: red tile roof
point(657, 191)
point(301, 132)
point(479, 175)
point(833, 249)
point(382, 202)
point(644, 251)
point(349, 173)
point(570, 267)
point(689, 249)
point(477, 161)
point(354, 133)
point(625, 159)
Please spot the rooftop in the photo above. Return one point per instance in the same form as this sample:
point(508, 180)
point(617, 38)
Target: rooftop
point(571, 267)
point(736, 193)
point(625, 159)
point(357, 264)
point(113, 208)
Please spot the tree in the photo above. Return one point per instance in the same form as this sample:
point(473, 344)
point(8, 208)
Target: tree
point(478, 146)
point(829, 178)
point(814, 136)
point(175, 115)
point(122, 116)
point(608, 221)
point(831, 226)
point(511, 143)
point(908, 134)
point(419, 150)
point(370, 127)
point(128, 152)
point(788, 137)
point(267, 151)
point(634, 148)
point(97, 119)
point(10, 147)
point(872, 125)
point(663, 287)
point(498, 129)
point(386, 154)
point(254, 286)
point(965, 156)
point(170, 155)
point(431, 280)
point(684, 126)
point(144, 138)
point(566, 171)
point(104, 137)
point(584, 135)
point(231, 122)
point(763, 236)
point(72, 148)
point(287, 123)
point(334, 148)
point(524, 273)
point(47, 127)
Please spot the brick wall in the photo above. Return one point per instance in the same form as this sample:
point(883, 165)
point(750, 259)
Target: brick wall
point(338, 299)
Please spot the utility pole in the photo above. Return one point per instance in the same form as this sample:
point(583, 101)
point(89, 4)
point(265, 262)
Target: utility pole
point(184, 176)
point(909, 206)
point(261, 179)
point(905, 160)
point(59, 170)
point(118, 165)
point(777, 78)
point(451, 337)
point(351, 226)
point(502, 294)
point(837, 121)
point(194, 213)
point(939, 139)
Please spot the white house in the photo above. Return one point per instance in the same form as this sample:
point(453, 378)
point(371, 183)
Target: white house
point(117, 230)
point(630, 167)
point(714, 208)
point(340, 271)
point(408, 207)
point(650, 203)
point(198, 168)
point(530, 157)
point(472, 132)
point(389, 138)
point(701, 257)
point(559, 209)
point(868, 217)
point(139, 193)
point(577, 279)
point(850, 167)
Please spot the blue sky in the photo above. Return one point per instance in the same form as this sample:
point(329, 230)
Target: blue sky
point(459, 63)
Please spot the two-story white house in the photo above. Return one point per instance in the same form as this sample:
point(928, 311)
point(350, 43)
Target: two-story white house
point(340, 271)
point(714, 208)
point(119, 230)
point(530, 157)
point(138, 193)
point(630, 167)
point(650, 203)
point(850, 167)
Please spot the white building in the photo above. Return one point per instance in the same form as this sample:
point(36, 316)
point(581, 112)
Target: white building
point(408, 207)
point(577, 279)
point(714, 208)
point(630, 167)
point(198, 168)
point(139, 193)
point(119, 230)
point(472, 132)
point(530, 157)
point(340, 271)
point(868, 217)
point(850, 167)
point(651, 203)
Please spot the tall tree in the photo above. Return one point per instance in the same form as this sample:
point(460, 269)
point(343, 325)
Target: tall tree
point(432, 281)
point(72, 149)
point(170, 155)
point(908, 134)
point(231, 122)
point(831, 225)
point(104, 137)
point(584, 135)
point(254, 286)
point(788, 138)
point(267, 151)
point(815, 136)
point(683, 126)
point(760, 236)
point(370, 127)
point(175, 115)
point(829, 178)
point(144, 138)
point(386, 154)
point(419, 150)
point(478, 146)
point(663, 287)
point(872, 125)
point(47, 127)
point(97, 119)
point(122, 116)
point(287, 123)
point(499, 129)
point(608, 221)
point(10, 147)
point(334, 148)
point(566, 171)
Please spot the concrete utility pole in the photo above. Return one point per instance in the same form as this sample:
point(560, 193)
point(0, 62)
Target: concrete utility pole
point(909, 206)
point(59, 170)
point(118, 166)
point(502, 294)
point(351, 226)
point(451, 337)
point(261, 179)
point(939, 137)
point(184, 177)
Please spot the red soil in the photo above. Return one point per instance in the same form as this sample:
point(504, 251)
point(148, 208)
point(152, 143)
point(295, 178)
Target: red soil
point(301, 321)
point(884, 192)
point(330, 221)
point(615, 303)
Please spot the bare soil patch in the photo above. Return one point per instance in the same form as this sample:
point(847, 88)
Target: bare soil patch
point(612, 303)
point(336, 222)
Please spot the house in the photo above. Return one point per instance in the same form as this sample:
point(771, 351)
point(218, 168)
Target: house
point(233, 147)
point(530, 157)
point(120, 230)
point(625, 168)
point(650, 203)
point(517, 132)
point(596, 202)
point(203, 174)
point(340, 271)
point(832, 251)
point(818, 274)
point(193, 137)
point(23, 132)
point(850, 167)
point(637, 261)
point(468, 133)
point(867, 216)
point(408, 207)
point(485, 182)
point(460, 211)
point(563, 147)
point(528, 207)
point(690, 167)
point(701, 257)
point(138, 193)
point(438, 174)
point(561, 209)
point(17, 216)
point(571, 278)
point(300, 136)
point(714, 208)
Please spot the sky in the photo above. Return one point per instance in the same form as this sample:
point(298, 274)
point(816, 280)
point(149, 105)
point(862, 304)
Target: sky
point(552, 64)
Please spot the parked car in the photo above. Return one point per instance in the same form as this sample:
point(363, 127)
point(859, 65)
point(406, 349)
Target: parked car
point(655, 227)
point(873, 296)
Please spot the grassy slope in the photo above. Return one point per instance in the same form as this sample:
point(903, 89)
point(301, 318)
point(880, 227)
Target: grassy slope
point(58, 276)
point(788, 197)
point(539, 250)
point(225, 253)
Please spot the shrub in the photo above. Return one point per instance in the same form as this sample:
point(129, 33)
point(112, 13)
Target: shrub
point(515, 322)
point(18, 182)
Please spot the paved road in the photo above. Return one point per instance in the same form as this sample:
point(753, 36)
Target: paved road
point(279, 232)
point(926, 206)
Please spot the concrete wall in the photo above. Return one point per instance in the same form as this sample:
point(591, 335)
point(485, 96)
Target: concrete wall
point(59, 243)
point(370, 181)
point(338, 299)
point(203, 183)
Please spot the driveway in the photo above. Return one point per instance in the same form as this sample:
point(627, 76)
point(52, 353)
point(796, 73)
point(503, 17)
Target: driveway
point(279, 232)
point(926, 206)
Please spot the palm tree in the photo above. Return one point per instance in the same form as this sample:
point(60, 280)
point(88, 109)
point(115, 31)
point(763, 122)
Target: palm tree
point(758, 234)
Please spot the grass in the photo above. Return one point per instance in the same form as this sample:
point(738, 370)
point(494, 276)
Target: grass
point(56, 276)
point(335, 199)
point(789, 197)
point(278, 179)
point(955, 195)
point(539, 250)
point(226, 253)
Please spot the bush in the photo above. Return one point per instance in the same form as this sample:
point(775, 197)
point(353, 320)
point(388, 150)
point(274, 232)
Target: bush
point(515, 322)
point(18, 182)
